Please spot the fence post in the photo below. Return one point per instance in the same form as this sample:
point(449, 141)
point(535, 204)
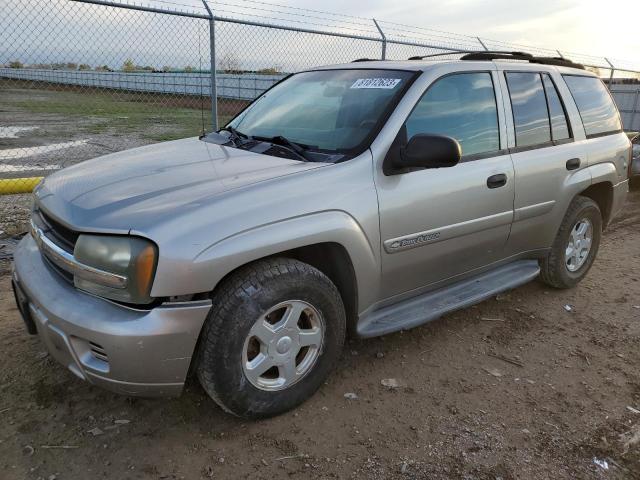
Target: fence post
point(482, 43)
point(212, 51)
point(613, 70)
point(636, 107)
point(384, 40)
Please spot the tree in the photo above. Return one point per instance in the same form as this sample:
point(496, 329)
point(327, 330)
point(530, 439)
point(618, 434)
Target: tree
point(71, 66)
point(229, 63)
point(84, 66)
point(189, 69)
point(269, 71)
point(103, 68)
point(16, 64)
point(128, 66)
point(595, 70)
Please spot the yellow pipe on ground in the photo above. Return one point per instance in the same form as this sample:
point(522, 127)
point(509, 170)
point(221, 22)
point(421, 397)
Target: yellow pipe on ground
point(9, 186)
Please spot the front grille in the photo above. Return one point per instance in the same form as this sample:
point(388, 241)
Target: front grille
point(63, 237)
point(68, 276)
point(56, 232)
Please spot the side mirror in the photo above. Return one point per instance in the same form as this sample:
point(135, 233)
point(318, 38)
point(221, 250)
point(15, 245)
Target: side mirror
point(429, 151)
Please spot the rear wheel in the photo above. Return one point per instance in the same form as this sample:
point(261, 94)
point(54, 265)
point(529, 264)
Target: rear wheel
point(275, 332)
point(576, 245)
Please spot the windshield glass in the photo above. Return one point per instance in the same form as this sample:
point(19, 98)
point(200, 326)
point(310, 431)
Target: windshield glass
point(330, 110)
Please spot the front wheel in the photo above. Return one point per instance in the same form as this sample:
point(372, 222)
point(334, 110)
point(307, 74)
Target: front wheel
point(575, 246)
point(275, 331)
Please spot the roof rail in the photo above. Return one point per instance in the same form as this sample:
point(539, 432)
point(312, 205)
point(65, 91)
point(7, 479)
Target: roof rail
point(504, 55)
point(452, 52)
point(471, 52)
point(366, 60)
point(558, 61)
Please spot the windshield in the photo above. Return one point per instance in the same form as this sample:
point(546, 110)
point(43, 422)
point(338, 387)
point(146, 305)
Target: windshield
point(327, 110)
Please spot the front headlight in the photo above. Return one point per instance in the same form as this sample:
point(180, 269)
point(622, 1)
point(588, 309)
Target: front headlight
point(132, 259)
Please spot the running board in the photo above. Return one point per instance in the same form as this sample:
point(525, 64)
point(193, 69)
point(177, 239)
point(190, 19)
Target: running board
point(427, 307)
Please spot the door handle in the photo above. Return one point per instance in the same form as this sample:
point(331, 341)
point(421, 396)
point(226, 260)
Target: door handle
point(573, 164)
point(497, 181)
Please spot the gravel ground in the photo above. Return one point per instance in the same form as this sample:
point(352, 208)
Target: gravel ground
point(520, 386)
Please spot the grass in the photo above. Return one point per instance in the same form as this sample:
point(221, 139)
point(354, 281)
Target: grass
point(154, 117)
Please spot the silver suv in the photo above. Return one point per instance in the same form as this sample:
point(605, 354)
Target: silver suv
point(358, 199)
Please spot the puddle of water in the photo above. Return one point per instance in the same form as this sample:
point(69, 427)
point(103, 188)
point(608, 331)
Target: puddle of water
point(12, 132)
point(13, 153)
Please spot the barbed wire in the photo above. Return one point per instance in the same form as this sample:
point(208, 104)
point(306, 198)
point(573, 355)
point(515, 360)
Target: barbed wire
point(368, 24)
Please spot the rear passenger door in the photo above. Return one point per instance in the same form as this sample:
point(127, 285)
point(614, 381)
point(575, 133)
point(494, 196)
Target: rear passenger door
point(544, 154)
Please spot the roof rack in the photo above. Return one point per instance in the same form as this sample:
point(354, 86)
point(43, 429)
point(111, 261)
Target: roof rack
point(558, 61)
point(366, 60)
point(452, 52)
point(505, 55)
point(469, 52)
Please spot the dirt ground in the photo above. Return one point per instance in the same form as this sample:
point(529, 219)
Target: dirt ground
point(564, 404)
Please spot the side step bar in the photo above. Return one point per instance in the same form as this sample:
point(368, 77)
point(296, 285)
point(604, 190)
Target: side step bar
point(432, 305)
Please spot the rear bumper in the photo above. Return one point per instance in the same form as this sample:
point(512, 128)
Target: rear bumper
point(132, 352)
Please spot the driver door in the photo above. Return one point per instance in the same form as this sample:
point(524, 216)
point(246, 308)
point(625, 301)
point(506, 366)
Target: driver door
point(440, 222)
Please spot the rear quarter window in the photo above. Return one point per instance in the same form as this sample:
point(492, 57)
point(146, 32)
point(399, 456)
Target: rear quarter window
point(597, 110)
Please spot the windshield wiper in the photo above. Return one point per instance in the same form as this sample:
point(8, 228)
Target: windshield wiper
point(235, 134)
point(281, 141)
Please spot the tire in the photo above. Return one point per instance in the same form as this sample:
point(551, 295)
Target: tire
point(556, 270)
point(228, 347)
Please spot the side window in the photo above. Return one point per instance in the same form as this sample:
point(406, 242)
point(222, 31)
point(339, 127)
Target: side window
point(462, 106)
point(559, 123)
point(597, 110)
point(529, 106)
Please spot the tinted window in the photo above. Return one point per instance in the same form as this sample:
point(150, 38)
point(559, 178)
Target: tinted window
point(559, 124)
point(598, 112)
point(529, 107)
point(462, 106)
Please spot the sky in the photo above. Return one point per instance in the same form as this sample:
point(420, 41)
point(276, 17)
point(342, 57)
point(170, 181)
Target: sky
point(596, 27)
point(34, 31)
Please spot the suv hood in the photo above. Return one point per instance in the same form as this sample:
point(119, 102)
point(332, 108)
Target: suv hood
point(137, 188)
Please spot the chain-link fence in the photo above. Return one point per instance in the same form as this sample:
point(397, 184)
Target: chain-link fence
point(84, 78)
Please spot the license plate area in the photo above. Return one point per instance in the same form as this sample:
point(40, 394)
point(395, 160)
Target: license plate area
point(23, 306)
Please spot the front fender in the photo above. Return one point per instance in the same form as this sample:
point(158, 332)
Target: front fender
point(216, 261)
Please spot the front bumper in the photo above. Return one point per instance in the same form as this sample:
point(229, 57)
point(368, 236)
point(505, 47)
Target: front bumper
point(132, 352)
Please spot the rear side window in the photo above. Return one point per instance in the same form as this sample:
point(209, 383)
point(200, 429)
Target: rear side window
point(529, 107)
point(462, 106)
point(597, 110)
point(559, 124)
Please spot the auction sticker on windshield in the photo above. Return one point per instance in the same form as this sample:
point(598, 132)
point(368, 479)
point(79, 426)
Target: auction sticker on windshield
point(376, 83)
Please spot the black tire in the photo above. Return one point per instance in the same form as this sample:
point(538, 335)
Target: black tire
point(243, 298)
point(554, 271)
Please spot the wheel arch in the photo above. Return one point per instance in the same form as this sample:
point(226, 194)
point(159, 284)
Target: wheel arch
point(331, 241)
point(332, 259)
point(602, 194)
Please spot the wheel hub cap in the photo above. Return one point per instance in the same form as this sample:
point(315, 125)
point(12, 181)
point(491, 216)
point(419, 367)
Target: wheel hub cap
point(283, 345)
point(579, 245)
